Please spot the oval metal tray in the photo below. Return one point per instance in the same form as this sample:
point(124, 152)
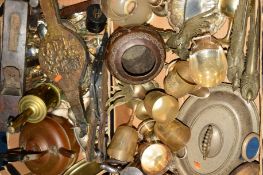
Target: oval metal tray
point(233, 119)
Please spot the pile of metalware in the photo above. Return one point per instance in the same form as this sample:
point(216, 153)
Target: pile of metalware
point(66, 69)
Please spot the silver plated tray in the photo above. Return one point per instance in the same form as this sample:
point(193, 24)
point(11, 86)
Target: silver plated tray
point(181, 10)
point(231, 118)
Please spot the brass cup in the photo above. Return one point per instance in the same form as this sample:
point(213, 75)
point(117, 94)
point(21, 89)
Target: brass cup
point(174, 134)
point(145, 130)
point(178, 81)
point(140, 111)
point(155, 159)
point(162, 107)
point(123, 144)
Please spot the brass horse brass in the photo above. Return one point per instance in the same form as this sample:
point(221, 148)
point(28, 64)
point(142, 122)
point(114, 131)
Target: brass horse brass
point(62, 55)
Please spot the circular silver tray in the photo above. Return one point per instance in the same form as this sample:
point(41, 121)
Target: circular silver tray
point(234, 119)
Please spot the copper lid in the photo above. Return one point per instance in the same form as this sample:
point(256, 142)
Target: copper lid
point(49, 135)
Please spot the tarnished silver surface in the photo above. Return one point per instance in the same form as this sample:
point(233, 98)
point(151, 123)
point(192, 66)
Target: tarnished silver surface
point(232, 119)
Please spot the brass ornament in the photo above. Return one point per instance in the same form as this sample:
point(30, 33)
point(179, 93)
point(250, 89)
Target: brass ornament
point(207, 62)
point(33, 107)
point(123, 144)
point(194, 27)
point(162, 108)
point(235, 54)
point(155, 159)
point(174, 134)
point(124, 93)
point(250, 78)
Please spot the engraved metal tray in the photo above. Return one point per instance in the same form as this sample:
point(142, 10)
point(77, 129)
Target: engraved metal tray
point(232, 119)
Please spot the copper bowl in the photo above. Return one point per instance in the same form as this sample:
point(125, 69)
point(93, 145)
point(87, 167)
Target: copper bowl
point(135, 54)
point(49, 135)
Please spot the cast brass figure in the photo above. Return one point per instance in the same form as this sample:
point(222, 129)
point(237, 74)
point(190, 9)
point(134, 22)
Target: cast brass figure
point(196, 26)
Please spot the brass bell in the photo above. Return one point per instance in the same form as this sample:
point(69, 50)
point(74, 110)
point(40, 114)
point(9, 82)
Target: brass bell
point(140, 111)
point(123, 144)
point(174, 134)
point(178, 81)
point(145, 130)
point(162, 107)
point(33, 107)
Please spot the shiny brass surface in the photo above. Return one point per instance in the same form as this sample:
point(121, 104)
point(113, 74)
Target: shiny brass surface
point(124, 93)
point(155, 159)
point(34, 106)
point(140, 111)
point(145, 130)
point(207, 63)
point(194, 27)
point(178, 81)
point(174, 134)
point(123, 144)
point(228, 7)
point(163, 108)
point(250, 77)
point(82, 167)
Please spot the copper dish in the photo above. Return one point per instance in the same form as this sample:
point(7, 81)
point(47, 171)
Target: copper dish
point(51, 134)
point(135, 54)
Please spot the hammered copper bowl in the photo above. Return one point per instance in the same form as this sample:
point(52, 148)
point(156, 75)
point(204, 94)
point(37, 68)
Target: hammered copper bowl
point(135, 54)
point(50, 134)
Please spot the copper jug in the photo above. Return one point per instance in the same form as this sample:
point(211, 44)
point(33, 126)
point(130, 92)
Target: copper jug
point(174, 134)
point(163, 108)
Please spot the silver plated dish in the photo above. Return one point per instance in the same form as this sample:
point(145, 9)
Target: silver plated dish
point(180, 11)
point(220, 123)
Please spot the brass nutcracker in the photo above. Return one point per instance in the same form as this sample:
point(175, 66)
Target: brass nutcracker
point(63, 57)
point(34, 106)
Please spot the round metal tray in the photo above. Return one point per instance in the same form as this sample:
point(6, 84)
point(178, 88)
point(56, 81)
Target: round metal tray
point(232, 119)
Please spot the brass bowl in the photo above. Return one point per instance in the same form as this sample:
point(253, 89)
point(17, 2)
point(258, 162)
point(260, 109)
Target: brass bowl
point(174, 134)
point(162, 107)
point(155, 159)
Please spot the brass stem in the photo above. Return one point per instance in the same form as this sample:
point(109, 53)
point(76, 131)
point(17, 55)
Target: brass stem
point(19, 120)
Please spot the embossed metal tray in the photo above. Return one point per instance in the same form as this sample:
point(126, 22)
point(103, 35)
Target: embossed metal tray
point(232, 119)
